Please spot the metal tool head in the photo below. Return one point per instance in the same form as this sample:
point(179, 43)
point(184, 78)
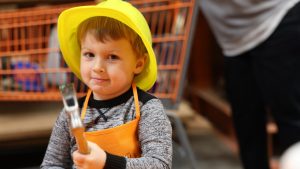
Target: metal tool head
point(71, 104)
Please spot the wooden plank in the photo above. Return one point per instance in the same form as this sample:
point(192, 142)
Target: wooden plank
point(27, 120)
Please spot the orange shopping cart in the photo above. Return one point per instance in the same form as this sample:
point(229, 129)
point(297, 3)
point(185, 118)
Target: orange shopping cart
point(32, 68)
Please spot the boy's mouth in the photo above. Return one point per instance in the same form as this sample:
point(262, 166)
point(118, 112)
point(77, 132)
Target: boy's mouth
point(99, 80)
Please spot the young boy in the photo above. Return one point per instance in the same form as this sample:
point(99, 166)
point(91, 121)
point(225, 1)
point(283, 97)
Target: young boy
point(109, 47)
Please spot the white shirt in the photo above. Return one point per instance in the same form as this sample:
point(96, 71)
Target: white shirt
point(241, 25)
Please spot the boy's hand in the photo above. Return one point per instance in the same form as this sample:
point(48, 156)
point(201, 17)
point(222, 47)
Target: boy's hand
point(95, 160)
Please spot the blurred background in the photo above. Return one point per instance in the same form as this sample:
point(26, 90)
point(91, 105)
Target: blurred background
point(190, 82)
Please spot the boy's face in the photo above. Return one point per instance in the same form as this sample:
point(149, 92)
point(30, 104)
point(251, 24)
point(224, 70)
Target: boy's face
point(108, 68)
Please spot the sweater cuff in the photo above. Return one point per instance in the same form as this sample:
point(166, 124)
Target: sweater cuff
point(114, 162)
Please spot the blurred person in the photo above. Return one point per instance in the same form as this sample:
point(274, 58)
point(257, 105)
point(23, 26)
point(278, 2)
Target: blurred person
point(109, 47)
point(260, 40)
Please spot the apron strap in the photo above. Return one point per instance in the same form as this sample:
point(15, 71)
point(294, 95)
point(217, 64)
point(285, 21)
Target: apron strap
point(135, 96)
point(136, 101)
point(85, 104)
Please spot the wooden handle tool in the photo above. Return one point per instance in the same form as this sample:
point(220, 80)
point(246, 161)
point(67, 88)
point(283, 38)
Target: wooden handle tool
point(71, 107)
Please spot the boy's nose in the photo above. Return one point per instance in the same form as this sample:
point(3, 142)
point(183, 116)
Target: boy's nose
point(99, 65)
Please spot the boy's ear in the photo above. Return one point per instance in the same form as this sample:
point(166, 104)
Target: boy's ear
point(140, 64)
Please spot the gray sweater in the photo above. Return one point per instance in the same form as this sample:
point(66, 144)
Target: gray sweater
point(154, 132)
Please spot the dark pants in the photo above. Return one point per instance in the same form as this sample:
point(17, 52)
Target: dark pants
point(267, 76)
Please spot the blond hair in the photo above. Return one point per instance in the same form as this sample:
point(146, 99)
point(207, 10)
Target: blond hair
point(103, 28)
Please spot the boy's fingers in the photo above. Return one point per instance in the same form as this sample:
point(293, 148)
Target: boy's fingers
point(78, 158)
point(92, 145)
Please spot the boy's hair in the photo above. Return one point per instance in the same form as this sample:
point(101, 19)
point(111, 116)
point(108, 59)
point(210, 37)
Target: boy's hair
point(103, 28)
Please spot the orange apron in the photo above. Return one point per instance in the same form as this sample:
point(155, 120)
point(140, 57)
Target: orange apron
point(121, 140)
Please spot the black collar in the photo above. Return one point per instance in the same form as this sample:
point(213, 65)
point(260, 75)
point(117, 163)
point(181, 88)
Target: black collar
point(107, 103)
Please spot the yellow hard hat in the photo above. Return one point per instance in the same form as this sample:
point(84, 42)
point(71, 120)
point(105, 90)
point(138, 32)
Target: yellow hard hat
point(69, 20)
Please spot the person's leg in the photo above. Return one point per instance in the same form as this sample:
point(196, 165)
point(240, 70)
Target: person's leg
point(248, 110)
point(277, 63)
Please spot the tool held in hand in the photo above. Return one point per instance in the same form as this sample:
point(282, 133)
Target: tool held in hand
point(71, 107)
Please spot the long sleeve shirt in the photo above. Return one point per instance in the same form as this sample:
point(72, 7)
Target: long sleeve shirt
point(154, 132)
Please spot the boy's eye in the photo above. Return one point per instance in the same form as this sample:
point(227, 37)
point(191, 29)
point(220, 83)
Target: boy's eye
point(88, 54)
point(113, 57)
